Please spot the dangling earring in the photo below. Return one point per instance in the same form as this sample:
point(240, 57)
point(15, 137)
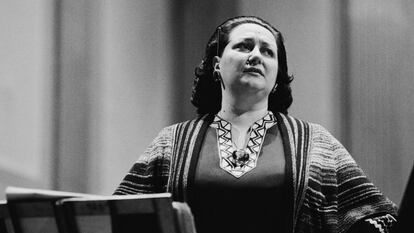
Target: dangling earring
point(217, 78)
point(274, 88)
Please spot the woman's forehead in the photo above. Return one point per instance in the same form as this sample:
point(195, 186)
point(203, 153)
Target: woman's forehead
point(252, 30)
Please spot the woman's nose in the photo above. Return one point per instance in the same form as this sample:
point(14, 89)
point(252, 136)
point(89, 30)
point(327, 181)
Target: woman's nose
point(255, 56)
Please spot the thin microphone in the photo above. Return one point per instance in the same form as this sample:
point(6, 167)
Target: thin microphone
point(218, 40)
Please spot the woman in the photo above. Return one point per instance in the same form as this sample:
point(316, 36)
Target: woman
point(244, 165)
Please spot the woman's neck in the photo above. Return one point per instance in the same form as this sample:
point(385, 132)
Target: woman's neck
point(241, 122)
point(241, 118)
point(243, 110)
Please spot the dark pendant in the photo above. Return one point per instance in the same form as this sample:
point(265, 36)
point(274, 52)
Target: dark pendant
point(240, 156)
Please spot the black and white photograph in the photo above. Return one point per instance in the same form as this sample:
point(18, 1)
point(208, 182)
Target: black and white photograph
point(206, 116)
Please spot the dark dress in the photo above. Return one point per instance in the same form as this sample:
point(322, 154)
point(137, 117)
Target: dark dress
point(251, 203)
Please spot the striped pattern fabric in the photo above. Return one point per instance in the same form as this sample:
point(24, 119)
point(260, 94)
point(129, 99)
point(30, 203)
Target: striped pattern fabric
point(337, 192)
point(297, 133)
point(326, 190)
point(186, 147)
point(150, 172)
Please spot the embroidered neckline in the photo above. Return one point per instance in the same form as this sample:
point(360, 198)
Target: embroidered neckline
point(226, 149)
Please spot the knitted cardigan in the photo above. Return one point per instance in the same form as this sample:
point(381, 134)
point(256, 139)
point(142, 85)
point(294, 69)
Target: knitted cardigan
point(327, 190)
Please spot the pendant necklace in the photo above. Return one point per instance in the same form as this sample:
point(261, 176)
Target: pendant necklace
point(240, 156)
point(238, 161)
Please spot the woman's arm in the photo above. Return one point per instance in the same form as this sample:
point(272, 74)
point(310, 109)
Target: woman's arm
point(149, 174)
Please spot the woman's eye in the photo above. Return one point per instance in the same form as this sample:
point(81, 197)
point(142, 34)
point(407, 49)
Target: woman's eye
point(268, 52)
point(243, 47)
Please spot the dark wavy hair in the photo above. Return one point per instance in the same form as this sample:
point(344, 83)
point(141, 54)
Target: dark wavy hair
point(206, 93)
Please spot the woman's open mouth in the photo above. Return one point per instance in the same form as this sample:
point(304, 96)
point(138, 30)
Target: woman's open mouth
point(253, 70)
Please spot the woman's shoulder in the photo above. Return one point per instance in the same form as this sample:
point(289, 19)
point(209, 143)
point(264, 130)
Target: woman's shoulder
point(316, 131)
point(195, 122)
point(322, 145)
point(293, 121)
point(186, 126)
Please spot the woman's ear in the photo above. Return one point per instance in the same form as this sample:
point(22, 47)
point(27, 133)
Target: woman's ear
point(216, 63)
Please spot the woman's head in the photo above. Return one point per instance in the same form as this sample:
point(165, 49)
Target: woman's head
point(206, 95)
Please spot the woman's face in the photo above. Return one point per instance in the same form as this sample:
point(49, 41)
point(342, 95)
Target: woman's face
point(249, 61)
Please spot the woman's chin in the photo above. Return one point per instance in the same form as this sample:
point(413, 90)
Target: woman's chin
point(254, 83)
point(250, 87)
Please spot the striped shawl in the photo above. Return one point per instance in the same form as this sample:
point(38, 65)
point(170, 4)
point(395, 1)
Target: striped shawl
point(329, 192)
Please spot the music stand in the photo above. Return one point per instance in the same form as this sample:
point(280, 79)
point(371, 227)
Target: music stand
point(33, 217)
point(5, 221)
point(34, 210)
point(152, 213)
